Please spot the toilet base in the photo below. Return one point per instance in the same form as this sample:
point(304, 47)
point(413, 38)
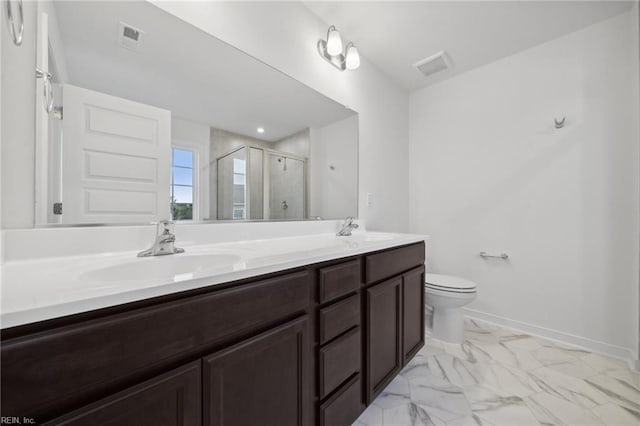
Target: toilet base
point(448, 325)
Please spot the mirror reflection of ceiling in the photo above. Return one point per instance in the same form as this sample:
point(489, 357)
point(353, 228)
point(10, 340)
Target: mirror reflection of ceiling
point(220, 85)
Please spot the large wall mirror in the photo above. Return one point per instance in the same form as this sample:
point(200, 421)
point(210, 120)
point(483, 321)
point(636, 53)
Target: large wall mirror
point(153, 118)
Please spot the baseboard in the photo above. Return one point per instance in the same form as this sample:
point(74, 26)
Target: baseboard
point(614, 351)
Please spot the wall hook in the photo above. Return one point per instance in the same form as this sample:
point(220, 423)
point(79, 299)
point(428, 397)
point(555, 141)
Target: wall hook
point(559, 123)
point(16, 30)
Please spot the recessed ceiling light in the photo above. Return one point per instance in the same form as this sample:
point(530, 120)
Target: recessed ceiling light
point(260, 129)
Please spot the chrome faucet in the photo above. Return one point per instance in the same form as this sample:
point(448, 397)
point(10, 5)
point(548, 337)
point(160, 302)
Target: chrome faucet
point(164, 241)
point(347, 227)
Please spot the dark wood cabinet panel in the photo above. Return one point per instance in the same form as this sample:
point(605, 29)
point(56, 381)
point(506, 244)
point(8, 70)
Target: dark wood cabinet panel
point(60, 367)
point(173, 398)
point(339, 360)
point(339, 317)
point(412, 313)
point(380, 266)
point(383, 336)
point(261, 381)
point(339, 280)
point(344, 407)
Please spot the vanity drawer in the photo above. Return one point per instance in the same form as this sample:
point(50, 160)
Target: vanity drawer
point(61, 367)
point(384, 265)
point(345, 406)
point(339, 360)
point(338, 280)
point(339, 317)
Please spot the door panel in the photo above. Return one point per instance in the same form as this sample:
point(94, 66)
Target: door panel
point(412, 313)
point(260, 381)
point(116, 159)
point(384, 332)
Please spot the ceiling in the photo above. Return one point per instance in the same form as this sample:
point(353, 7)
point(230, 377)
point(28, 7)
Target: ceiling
point(396, 34)
point(182, 69)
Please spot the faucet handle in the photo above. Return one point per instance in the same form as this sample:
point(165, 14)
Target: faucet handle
point(164, 227)
point(349, 222)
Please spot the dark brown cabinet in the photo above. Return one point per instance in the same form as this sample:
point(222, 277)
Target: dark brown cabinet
point(339, 317)
point(344, 406)
point(384, 334)
point(338, 280)
point(412, 313)
point(58, 368)
point(339, 354)
point(260, 381)
point(339, 360)
point(394, 313)
point(309, 346)
point(170, 399)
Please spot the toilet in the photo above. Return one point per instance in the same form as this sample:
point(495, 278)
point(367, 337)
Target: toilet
point(447, 294)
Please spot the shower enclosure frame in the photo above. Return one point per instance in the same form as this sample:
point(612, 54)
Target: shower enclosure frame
point(265, 180)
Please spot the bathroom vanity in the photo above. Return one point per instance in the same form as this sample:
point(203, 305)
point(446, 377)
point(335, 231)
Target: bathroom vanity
point(307, 345)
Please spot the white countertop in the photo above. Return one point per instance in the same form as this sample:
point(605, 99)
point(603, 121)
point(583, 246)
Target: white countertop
point(46, 288)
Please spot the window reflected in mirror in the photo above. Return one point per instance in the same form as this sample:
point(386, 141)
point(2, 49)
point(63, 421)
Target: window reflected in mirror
point(182, 184)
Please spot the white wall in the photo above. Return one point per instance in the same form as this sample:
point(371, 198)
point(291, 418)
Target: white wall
point(333, 175)
point(18, 123)
point(488, 171)
point(297, 144)
point(284, 35)
point(636, 72)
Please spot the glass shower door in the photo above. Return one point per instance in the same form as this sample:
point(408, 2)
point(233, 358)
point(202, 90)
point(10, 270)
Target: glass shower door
point(232, 186)
point(286, 187)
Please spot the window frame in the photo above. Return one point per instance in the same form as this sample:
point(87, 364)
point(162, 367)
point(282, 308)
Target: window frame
point(194, 179)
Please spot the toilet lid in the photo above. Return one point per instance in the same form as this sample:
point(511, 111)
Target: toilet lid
point(449, 282)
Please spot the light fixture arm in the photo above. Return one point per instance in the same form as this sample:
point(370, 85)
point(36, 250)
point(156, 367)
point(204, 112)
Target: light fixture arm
point(337, 61)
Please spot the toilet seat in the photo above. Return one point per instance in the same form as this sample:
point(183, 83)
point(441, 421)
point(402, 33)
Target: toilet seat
point(448, 283)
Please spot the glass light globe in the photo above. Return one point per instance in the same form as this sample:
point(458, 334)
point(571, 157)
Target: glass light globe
point(353, 57)
point(334, 43)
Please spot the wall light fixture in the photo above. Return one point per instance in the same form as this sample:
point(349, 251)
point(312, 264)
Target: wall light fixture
point(331, 50)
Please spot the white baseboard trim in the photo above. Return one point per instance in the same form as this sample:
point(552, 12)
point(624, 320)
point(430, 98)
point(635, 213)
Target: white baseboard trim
point(603, 348)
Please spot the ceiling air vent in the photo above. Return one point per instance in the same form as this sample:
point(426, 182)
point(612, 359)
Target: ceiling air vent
point(129, 37)
point(433, 64)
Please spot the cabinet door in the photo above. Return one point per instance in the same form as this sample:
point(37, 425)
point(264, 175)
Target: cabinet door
point(172, 398)
point(384, 333)
point(263, 380)
point(412, 313)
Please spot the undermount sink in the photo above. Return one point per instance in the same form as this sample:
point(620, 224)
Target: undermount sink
point(175, 267)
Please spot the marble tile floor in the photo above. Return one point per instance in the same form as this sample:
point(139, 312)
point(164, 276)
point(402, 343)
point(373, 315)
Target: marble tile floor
point(501, 377)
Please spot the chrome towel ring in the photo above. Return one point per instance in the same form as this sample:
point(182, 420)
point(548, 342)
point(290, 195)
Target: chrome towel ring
point(16, 31)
